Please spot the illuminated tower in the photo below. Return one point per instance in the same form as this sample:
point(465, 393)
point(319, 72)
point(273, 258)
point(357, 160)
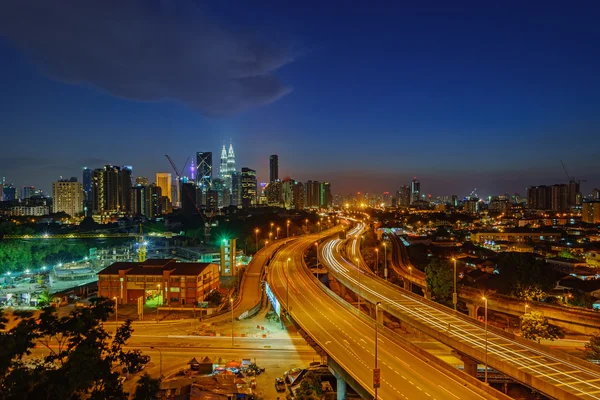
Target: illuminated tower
point(223, 170)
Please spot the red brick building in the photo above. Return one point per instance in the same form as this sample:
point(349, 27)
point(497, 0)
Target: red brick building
point(178, 283)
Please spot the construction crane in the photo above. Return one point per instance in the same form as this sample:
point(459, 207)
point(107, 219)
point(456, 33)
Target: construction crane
point(193, 200)
point(569, 177)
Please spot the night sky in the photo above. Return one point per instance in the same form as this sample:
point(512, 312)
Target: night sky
point(484, 94)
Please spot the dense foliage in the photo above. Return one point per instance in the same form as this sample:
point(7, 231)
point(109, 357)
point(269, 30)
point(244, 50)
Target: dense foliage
point(534, 326)
point(439, 276)
point(592, 348)
point(82, 360)
point(523, 275)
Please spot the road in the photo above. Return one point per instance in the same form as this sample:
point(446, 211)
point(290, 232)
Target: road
point(348, 337)
point(568, 378)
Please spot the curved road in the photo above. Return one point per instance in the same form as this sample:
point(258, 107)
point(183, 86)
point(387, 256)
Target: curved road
point(348, 336)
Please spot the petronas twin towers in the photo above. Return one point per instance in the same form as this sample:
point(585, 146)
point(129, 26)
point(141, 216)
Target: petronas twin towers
point(227, 166)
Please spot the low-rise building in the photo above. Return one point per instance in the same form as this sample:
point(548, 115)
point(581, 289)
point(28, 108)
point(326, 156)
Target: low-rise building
point(174, 282)
point(516, 235)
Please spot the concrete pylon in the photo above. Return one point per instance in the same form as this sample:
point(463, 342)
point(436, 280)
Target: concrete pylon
point(473, 308)
point(470, 363)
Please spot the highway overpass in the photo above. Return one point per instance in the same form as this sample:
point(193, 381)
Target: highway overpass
point(348, 338)
point(550, 372)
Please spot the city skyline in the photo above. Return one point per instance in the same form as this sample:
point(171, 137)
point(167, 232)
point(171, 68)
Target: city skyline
point(423, 95)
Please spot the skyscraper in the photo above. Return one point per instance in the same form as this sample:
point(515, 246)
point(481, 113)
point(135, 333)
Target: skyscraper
point(164, 181)
point(9, 192)
point(236, 189)
point(325, 195)
point(273, 168)
point(126, 182)
point(28, 191)
point(223, 167)
point(403, 196)
point(312, 194)
point(87, 183)
point(248, 187)
point(231, 167)
point(204, 170)
point(559, 198)
point(590, 212)
point(415, 190)
point(106, 189)
point(67, 197)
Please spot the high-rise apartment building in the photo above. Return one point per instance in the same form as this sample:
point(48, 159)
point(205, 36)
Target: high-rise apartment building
point(273, 168)
point(596, 194)
point(67, 197)
point(325, 197)
point(538, 197)
point(274, 193)
point(312, 194)
point(164, 181)
point(590, 212)
point(293, 194)
point(403, 196)
point(559, 198)
point(415, 190)
point(248, 187)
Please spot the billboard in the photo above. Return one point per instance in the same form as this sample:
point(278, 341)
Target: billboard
point(273, 299)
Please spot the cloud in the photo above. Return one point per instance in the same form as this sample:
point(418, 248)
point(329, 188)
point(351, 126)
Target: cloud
point(148, 51)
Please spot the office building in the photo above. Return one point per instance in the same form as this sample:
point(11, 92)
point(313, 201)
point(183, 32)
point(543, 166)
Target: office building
point(28, 192)
point(9, 192)
point(248, 187)
point(236, 189)
point(231, 168)
point(67, 197)
point(274, 193)
point(141, 180)
point(87, 183)
point(175, 283)
point(293, 194)
point(164, 181)
point(415, 190)
point(590, 212)
point(499, 206)
point(204, 168)
point(273, 168)
point(403, 196)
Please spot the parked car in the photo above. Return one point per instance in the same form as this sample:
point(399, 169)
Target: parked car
point(279, 385)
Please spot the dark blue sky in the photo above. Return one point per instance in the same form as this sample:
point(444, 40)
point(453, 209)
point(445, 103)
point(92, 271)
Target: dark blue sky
point(460, 94)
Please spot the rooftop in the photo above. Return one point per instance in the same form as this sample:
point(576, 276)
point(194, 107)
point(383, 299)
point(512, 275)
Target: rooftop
point(155, 267)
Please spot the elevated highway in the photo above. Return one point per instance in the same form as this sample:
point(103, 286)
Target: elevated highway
point(550, 372)
point(575, 319)
point(348, 337)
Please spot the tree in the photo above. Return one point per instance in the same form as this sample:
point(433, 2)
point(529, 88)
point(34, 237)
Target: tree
point(592, 348)
point(534, 326)
point(523, 270)
point(147, 388)
point(529, 293)
point(44, 299)
point(80, 356)
point(440, 280)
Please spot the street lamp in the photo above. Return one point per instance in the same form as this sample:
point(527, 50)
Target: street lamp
point(454, 296)
point(410, 279)
point(160, 352)
point(287, 285)
point(266, 243)
point(317, 246)
point(158, 301)
point(231, 306)
point(116, 311)
point(277, 236)
point(377, 262)
point(385, 271)
point(358, 272)
point(486, 340)
point(287, 226)
point(256, 236)
point(526, 307)
point(272, 224)
point(376, 385)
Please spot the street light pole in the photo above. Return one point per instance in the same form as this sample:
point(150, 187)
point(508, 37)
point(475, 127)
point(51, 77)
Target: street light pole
point(376, 344)
point(287, 285)
point(385, 271)
point(454, 296)
point(116, 311)
point(486, 340)
point(231, 306)
point(287, 234)
point(159, 352)
point(256, 235)
point(317, 246)
point(358, 272)
point(157, 302)
point(377, 263)
point(526, 307)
